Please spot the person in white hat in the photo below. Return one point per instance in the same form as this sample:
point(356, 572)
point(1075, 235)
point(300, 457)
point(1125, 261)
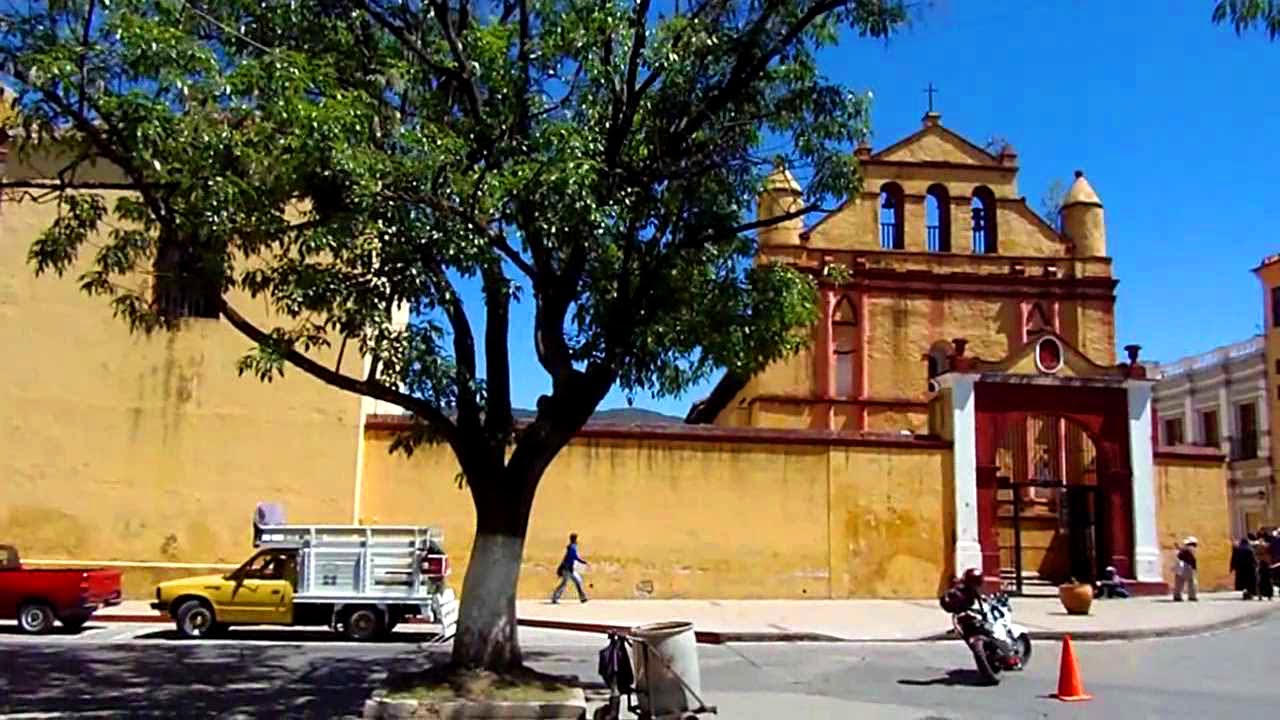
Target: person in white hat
point(1185, 574)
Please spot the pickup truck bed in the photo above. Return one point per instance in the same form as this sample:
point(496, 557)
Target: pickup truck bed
point(37, 597)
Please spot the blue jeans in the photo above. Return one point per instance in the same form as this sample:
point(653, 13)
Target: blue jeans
point(565, 577)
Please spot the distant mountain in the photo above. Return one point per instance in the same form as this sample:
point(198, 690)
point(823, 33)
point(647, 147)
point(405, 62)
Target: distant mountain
point(616, 416)
point(634, 416)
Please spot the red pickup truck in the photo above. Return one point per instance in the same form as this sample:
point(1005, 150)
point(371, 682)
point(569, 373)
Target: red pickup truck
point(38, 597)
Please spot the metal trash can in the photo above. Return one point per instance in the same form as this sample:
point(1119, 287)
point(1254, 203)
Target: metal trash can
point(668, 682)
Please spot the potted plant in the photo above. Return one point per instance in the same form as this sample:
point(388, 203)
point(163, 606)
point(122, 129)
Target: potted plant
point(1076, 597)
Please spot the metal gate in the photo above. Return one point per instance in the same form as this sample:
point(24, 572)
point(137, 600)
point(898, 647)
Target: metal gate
point(1079, 516)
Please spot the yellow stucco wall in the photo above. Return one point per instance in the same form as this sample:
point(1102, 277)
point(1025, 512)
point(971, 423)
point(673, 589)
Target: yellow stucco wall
point(148, 450)
point(698, 519)
point(1191, 499)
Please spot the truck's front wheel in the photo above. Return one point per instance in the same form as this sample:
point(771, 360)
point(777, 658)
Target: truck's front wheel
point(363, 623)
point(195, 620)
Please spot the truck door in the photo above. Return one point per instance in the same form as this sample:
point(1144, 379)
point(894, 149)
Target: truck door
point(262, 592)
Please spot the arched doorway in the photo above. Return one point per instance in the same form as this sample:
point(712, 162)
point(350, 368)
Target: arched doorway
point(1060, 453)
point(1049, 523)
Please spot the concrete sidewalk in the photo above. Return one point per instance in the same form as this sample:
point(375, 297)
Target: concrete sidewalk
point(901, 620)
point(719, 621)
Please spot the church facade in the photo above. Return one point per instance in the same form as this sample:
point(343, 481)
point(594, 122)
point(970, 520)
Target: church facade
point(950, 308)
point(960, 405)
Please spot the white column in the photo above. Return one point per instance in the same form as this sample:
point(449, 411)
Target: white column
point(1146, 541)
point(1264, 420)
point(1225, 424)
point(400, 316)
point(1189, 415)
point(964, 457)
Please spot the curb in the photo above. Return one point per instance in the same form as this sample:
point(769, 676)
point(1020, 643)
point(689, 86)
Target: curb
point(1176, 631)
point(713, 637)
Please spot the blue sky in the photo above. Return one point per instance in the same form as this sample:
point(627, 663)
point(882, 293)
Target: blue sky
point(1173, 120)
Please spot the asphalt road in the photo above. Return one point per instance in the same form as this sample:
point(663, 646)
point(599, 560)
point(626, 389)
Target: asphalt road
point(143, 671)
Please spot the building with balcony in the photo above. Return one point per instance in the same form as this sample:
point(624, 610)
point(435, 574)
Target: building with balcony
point(1219, 399)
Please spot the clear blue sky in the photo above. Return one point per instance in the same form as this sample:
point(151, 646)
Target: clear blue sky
point(1173, 119)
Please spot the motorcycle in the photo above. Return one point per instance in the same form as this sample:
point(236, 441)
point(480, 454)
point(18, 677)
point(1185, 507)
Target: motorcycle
point(996, 641)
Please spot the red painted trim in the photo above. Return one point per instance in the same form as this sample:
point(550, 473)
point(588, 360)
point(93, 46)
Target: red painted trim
point(841, 255)
point(715, 433)
point(1195, 453)
point(1146, 588)
point(824, 357)
point(988, 534)
point(865, 338)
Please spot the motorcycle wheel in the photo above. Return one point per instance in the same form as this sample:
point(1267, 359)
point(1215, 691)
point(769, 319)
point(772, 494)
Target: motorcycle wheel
point(1024, 650)
point(988, 671)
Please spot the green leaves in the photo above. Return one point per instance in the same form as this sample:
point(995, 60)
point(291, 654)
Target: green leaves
point(339, 159)
point(78, 219)
point(1248, 14)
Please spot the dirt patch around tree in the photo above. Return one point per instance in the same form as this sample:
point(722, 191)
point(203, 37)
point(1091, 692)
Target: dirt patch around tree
point(444, 685)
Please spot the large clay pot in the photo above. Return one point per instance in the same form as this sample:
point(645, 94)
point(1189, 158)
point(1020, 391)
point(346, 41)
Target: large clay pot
point(1076, 597)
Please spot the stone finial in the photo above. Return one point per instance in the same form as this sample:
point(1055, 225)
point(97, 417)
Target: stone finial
point(1132, 351)
point(931, 119)
point(863, 151)
point(1081, 192)
point(959, 345)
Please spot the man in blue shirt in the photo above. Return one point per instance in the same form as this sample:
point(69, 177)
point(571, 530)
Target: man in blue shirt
point(568, 570)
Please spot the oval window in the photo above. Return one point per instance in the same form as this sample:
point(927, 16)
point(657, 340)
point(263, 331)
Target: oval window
point(1048, 355)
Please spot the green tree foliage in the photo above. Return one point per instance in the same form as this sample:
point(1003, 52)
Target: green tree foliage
point(337, 159)
point(1249, 14)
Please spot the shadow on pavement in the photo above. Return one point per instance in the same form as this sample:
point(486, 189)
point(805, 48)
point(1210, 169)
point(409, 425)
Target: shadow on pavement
point(194, 681)
point(221, 680)
point(295, 636)
point(952, 678)
point(57, 631)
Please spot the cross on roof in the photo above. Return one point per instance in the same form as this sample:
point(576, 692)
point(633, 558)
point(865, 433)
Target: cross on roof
point(930, 91)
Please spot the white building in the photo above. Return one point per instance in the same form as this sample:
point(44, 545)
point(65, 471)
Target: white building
point(1219, 399)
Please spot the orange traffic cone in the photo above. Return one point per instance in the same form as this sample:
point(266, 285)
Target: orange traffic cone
point(1070, 687)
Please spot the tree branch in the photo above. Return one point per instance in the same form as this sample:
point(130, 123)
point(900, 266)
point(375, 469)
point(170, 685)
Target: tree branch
point(464, 351)
point(497, 302)
point(625, 118)
point(376, 390)
point(441, 10)
point(494, 237)
point(399, 32)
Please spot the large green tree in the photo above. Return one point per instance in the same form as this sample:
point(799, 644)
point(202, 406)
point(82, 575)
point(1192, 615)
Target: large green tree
point(340, 158)
point(1249, 14)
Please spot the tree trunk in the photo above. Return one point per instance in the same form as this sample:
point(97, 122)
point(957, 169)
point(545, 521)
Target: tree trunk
point(487, 619)
point(503, 496)
point(486, 636)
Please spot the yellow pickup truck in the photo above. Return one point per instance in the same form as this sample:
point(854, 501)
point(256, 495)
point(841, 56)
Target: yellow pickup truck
point(359, 581)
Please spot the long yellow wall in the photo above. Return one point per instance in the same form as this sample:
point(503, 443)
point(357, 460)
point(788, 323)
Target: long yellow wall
point(152, 450)
point(1191, 499)
point(701, 519)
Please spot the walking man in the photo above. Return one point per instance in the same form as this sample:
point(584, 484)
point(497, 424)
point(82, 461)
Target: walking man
point(1185, 576)
point(568, 570)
